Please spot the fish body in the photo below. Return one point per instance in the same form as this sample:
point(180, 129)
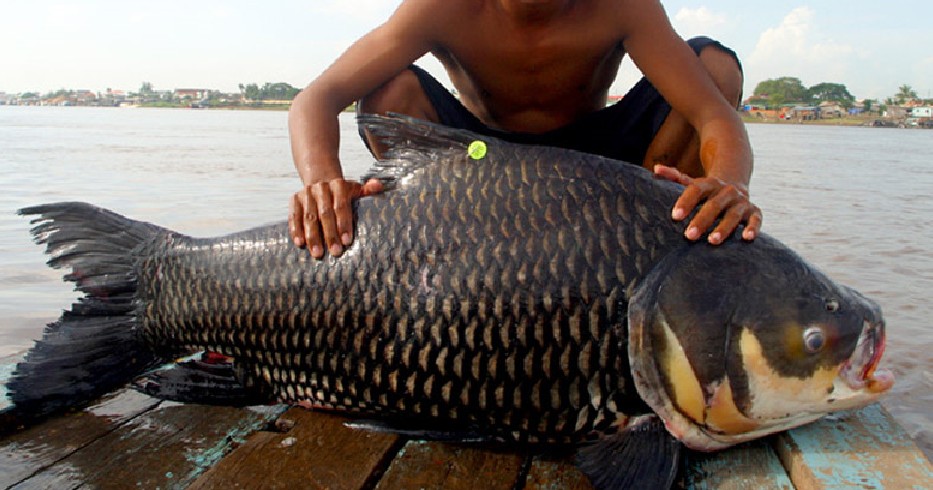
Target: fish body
point(455, 302)
point(532, 295)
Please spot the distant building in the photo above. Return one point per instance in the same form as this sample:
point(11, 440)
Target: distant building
point(84, 97)
point(115, 95)
point(162, 94)
point(831, 109)
point(803, 113)
point(192, 93)
point(924, 111)
point(895, 112)
point(856, 108)
point(5, 99)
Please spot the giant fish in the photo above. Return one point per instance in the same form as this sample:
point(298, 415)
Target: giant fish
point(524, 294)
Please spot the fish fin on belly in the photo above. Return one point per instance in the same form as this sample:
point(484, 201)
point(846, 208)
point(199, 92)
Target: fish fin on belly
point(207, 379)
point(421, 431)
point(643, 455)
point(96, 346)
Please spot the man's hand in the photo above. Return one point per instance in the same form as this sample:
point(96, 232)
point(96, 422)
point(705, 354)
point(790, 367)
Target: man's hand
point(723, 200)
point(320, 214)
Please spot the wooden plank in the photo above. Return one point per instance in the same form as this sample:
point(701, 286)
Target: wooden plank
point(422, 464)
point(124, 442)
point(166, 447)
point(548, 472)
point(319, 451)
point(749, 466)
point(25, 453)
point(864, 449)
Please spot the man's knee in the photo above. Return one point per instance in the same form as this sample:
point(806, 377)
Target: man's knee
point(401, 94)
point(725, 71)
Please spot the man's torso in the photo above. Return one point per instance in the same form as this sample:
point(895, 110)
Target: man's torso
point(533, 77)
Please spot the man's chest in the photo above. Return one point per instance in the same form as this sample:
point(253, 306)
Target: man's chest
point(520, 67)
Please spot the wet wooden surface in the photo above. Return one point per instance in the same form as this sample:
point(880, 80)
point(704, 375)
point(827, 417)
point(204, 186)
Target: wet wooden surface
point(751, 466)
point(129, 440)
point(863, 449)
point(132, 441)
point(423, 464)
point(23, 454)
point(306, 450)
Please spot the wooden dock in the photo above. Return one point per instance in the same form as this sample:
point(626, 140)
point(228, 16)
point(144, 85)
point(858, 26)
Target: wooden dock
point(132, 441)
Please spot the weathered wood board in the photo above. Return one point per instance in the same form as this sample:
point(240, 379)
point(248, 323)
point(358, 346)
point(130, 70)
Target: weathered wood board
point(861, 449)
point(456, 467)
point(130, 440)
point(555, 473)
point(319, 451)
point(749, 466)
point(33, 450)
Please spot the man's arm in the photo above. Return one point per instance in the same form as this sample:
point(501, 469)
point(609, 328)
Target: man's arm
point(320, 214)
point(725, 153)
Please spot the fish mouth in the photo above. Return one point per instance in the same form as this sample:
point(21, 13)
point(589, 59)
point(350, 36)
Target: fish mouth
point(861, 372)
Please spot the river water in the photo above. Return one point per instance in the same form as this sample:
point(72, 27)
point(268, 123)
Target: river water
point(854, 201)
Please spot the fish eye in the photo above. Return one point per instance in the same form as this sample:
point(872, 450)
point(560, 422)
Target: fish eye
point(813, 339)
point(832, 305)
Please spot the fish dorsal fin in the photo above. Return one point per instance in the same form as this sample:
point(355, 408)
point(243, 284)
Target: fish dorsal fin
point(414, 144)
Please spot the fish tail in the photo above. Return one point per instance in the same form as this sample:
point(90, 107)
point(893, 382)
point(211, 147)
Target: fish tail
point(96, 346)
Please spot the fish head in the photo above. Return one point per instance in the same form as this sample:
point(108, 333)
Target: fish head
point(733, 342)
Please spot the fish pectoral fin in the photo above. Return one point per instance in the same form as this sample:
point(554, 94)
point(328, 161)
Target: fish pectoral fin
point(643, 455)
point(421, 431)
point(208, 379)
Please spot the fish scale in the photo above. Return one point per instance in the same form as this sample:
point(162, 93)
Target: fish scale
point(529, 344)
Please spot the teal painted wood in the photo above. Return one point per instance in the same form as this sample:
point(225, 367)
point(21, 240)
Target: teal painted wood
point(750, 466)
point(863, 449)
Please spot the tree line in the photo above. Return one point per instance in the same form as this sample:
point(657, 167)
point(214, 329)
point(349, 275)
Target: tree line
point(269, 91)
point(250, 91)
point(250, 94)
point(790, 90)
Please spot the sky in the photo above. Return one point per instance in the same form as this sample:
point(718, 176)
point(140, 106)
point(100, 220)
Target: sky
point(871, 47)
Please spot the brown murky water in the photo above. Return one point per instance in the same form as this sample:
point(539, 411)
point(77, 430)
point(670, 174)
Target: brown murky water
point(854, 201)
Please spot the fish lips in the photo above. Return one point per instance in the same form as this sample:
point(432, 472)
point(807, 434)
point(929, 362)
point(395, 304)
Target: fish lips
point(860, 372)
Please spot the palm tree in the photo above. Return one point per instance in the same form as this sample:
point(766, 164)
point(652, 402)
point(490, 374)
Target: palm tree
point(905, 93)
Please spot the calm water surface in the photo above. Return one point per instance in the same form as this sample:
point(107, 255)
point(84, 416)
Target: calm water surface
point(854, 201)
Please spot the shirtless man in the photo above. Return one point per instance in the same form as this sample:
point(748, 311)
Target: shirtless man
point(535, 71)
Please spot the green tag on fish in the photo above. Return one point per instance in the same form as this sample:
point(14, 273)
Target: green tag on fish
point(477, 150)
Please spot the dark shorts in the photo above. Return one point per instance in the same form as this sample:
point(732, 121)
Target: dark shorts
point(621, 131)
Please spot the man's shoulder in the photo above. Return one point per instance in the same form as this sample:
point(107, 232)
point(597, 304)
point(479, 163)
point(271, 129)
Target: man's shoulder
point(441, 7)
point(437, 16)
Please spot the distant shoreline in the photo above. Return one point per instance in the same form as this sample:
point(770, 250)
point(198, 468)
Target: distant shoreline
point(848, 121)
point(268, 107)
